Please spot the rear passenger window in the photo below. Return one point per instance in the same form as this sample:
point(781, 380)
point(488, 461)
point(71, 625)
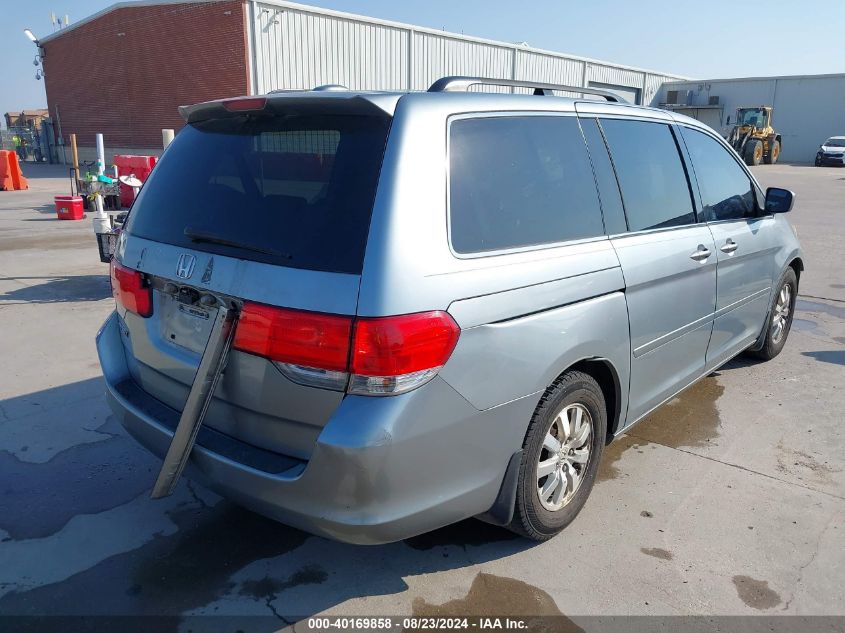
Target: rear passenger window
point(725, 188)
point(652, 178)
point(520, 181)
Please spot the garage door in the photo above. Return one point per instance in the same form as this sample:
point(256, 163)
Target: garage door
point(631, 95)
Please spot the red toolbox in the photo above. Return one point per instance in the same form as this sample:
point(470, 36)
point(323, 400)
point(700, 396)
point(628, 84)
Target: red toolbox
point(139, 165)
point(69, 207)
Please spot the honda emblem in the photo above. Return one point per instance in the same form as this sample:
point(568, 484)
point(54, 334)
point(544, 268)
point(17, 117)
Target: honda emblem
point(185, 267)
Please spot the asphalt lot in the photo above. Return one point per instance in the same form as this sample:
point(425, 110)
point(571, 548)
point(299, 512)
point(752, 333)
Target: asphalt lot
point(729, 500)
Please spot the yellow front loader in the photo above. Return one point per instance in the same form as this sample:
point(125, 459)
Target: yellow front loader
point(753, 136)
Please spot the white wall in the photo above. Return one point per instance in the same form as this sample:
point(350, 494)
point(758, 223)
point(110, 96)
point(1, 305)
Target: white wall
point(297, 47)
point(807, 110)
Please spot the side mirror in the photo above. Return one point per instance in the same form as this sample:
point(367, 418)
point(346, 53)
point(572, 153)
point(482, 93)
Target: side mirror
point(779, 200)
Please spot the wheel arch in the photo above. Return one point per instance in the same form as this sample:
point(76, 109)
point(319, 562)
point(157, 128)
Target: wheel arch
point(603, 371)
point(797, 264)
point(606, 375)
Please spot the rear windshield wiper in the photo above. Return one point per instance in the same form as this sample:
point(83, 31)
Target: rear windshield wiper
point(196, 235)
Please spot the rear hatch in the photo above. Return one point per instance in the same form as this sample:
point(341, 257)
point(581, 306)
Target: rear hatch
point(262, 203)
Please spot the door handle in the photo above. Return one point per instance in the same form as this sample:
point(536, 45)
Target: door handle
point(729, 247)
point(701, 254)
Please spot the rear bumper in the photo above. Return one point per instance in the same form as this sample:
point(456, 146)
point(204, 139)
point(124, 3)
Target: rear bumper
point(383, 469)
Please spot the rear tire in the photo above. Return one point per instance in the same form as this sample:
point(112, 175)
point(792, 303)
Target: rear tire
point(753, 152)
point(779, 318)
point(773, 154)
point(565, 439)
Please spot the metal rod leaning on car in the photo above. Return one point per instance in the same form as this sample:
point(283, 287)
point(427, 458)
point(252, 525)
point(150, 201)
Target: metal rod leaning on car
point(211, 367)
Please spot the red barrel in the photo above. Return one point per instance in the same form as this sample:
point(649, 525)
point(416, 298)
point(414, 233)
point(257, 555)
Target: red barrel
point(69, 207)
point(139, 165)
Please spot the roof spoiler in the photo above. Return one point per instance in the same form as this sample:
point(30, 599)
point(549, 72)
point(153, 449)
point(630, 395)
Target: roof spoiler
point(332, 101)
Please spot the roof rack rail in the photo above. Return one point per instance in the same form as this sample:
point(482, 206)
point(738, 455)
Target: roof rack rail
point(462, 84)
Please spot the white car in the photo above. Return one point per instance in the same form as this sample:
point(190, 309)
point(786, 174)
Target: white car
point(831, 152)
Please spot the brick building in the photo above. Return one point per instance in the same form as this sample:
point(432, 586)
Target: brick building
point(124, 71)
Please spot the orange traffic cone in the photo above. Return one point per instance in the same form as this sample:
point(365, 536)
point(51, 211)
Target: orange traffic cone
point(11, 177)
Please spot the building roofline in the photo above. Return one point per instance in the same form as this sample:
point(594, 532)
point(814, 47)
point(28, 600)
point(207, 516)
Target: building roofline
point(452, 35)
point(353, 17)
point(114, 7)
point(769, 78)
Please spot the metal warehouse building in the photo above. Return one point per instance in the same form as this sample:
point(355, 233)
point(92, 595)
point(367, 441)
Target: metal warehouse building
point(123, 71)
point(807, 109)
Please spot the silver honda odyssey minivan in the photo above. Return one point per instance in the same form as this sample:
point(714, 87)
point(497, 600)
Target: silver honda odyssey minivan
point(369, 315)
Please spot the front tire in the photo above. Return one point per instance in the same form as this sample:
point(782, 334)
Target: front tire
point(753, 152)
point(780, 316)
point(560, 457)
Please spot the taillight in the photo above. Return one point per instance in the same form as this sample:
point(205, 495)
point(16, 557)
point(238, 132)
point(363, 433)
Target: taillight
point(130, 290)
point(369, 356)
point(302, 338)
point(395, 354)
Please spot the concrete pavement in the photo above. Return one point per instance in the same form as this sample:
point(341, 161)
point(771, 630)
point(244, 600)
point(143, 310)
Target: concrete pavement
point(729, 500)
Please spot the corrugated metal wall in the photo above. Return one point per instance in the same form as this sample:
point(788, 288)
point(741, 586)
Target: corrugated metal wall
point(549, 68)
point(296, 48)
point(652, 88)
point(807, 110)
point(436, 56)
point(613, 75)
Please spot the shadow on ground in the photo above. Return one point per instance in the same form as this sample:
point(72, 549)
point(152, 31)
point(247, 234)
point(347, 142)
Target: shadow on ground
point(834, 357)
point(58, 289)
point(47, 209)
point(202, 561)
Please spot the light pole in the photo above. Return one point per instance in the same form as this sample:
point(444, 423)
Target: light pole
point(39, 73)
point(39, 56)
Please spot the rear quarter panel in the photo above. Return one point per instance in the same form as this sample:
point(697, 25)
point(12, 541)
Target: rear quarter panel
point(500, 361)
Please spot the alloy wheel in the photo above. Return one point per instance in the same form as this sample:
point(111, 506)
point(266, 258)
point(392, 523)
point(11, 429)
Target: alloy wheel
point(780, 318)
point(564, 457)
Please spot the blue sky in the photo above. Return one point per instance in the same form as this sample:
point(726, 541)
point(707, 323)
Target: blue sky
point(718, 38)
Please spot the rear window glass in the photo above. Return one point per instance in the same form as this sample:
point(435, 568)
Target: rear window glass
point(650, 172)
point(520, 181)
point(295, 191)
